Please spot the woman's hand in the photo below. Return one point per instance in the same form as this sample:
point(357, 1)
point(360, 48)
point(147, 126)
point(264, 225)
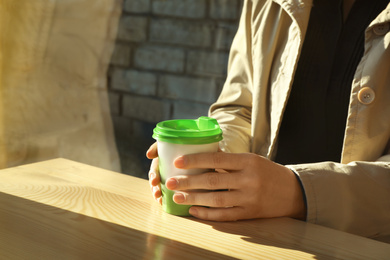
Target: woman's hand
point(252, 187)
point(154, 175)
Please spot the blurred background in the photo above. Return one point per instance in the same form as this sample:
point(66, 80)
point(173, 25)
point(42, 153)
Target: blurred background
point(88, 80)
point(169, 62)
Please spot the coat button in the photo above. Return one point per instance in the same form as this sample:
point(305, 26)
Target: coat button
point(366, 95)
point(381, 29)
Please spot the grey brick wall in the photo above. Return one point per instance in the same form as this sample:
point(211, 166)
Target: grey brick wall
point(169, 62)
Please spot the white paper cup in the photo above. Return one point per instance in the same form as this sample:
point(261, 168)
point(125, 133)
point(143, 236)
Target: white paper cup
point(180, 137)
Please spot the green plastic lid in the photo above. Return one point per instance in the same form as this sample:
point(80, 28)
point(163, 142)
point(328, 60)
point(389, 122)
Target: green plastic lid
point(203, 130)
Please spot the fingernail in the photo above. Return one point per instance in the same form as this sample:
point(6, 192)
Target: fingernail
point(180, 162)
point(152, 175)
point(179, 198)
point(171, 183)
point(147, 153)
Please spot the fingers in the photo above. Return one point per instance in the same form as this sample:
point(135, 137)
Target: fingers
point(152, 153)
point(218, 199)
point(156, 192)
point(218, 214)
point(205, 181)
point(154, 181)
point(154, 175)
point(218, 160)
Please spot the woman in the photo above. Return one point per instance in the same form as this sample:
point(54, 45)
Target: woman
point(305, 113)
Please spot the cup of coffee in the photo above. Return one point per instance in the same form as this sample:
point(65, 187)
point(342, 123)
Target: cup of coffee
point(180, 137)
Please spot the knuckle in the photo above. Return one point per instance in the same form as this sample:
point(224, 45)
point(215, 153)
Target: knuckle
point(246, 180)
point(251, 159)
point(213, 181)
point(152, 175)
point(217, 159)
point(218, 200)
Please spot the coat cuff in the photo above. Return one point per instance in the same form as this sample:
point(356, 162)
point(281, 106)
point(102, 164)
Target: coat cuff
point(308, 193)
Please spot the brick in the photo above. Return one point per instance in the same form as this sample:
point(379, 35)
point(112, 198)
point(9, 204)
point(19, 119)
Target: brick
point(109, 74)
point(121, 55)
point(180, 8)
point(159, 58)
point(180, 32)
point(132, 28)
point(225, 9)
point(123, 128)
point(133, 81)
point(145, 109)
point(143, 131)
point(129, 153)
point(137, 6)
point(134, 163)
point(224, 36)
point(207, 63)
point(114, 100)
point(186, 88)
point(189, 110)
point(133, 138)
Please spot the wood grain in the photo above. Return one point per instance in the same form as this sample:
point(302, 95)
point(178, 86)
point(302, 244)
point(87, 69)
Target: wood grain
point(68, 210)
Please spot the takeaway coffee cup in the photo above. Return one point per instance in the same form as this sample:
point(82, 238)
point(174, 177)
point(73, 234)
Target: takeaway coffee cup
point(180, 137)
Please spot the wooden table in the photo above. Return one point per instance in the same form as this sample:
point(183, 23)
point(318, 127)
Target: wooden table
point(60, 209)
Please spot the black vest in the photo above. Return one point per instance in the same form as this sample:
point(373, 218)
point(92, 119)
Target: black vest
point(313, 124)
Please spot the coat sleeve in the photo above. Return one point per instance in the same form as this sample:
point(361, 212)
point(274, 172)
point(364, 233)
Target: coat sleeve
point(234, 106)
point(353, 197)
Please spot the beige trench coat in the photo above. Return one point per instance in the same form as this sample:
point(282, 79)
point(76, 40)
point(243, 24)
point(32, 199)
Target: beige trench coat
point(352, 195)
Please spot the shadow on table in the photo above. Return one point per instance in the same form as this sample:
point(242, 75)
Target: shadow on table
point(313, 240)
point(258, 232)
point(32, 230)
